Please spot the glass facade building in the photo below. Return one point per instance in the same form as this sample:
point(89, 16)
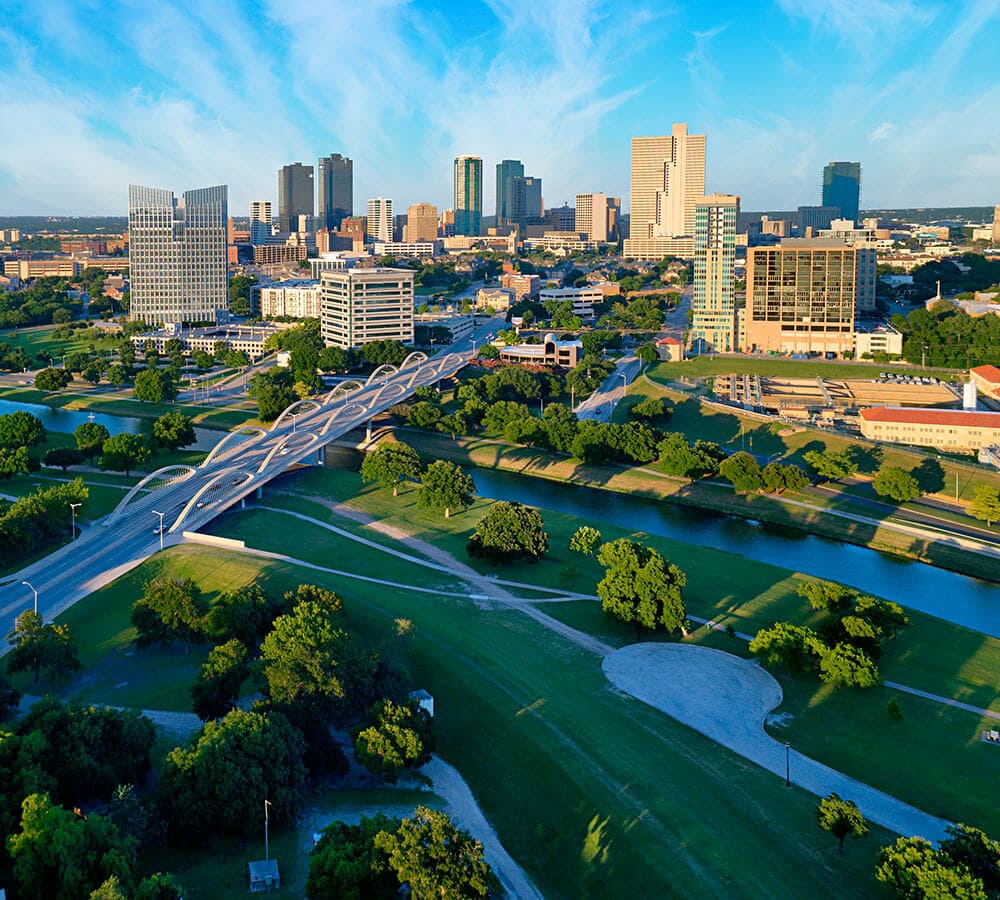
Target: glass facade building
point(468, 195)
point(713, 319)
point(842, 188)
point(506, 170)
point(336, 190)
point(295, 195)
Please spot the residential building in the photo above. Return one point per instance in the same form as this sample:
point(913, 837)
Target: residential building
point(495, 298)
point(581, 298)
point(260, 222)
point(27, 269)
point(801, 297)
point(506, 170)
point(668, 178)
point(274, 254)
point(565, 241)
point(774, 227)
point(522, 285)
point(949, 430)
point(295, 195)
point(468, 195)
point(713, 320)
point(359, 306)
point(177, 255)
point(295, 299)
point(996, 226)
point(421, 223)
point(336, 190)
point(670, 349)
point(842, 188)
point(10, 235)
point(657, 248)
point(408, 248)
point(551, 352)
point(379, 225)
point(594, 217)
point(336, 262)
point(447, 223)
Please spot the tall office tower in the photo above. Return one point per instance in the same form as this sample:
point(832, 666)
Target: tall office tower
point(447, 223)
point(295, 195)
point(506, 169)
point(713, 321)
point(996, 225)
point(842, 188)
point(260, 222)
point(177, 255)
point(358, 306)
point(801, 296)
point(379, 219)
point(668, 178)
point(524, 200)
point(421, 223)
point(592, 216)
point(468, 194)
point(336, 190)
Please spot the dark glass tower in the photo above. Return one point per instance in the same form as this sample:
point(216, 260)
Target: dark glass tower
point(295, 195)
point(842, 188)
point(506, 170)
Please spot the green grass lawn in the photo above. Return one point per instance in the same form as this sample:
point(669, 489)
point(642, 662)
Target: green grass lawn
point(703, 366)
point(35, 340)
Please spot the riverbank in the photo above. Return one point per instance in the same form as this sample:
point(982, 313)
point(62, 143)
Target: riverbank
point(937, 550)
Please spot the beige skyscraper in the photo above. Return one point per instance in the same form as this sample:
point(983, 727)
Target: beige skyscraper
point(668, 178)
point(592, 216)
point(379, 219)
point(996, 225)
point(421, 223)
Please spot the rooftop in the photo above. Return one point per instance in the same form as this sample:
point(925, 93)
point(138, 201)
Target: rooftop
point(963, 418)
point(989, 373)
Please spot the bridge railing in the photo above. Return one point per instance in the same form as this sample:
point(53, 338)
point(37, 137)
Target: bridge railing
point(310, 439)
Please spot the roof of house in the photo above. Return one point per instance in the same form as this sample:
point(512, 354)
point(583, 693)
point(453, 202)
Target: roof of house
point(990, 373)
point(670, 340)
point(965, 418)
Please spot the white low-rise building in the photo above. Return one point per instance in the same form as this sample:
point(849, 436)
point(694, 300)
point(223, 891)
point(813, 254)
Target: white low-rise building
point(294, 299)
point(408, 248)
point(874, 338)
point(582, 298)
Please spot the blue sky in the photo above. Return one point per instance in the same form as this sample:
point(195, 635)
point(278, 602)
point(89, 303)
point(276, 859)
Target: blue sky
point(98, 94)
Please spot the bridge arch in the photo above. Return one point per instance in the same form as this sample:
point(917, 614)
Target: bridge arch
point(385, 369)
point(249, 433)
point(298, 403)
point(398, 390)
point(450, 358)
point(161, 476)
point(414, 359)
point(312, 438)
point(342, 388)
point(235, 478)
point(337, 412)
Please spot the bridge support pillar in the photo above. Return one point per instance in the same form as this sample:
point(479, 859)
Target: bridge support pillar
point(320, 457)
point(260, 493)
point(368, 430)
point(243, 502)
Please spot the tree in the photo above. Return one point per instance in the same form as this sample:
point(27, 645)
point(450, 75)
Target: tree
point(827, 595)
point(245, 613)
point(21, 429)
point(230, 766)
point(778, 478)
point(153, 386)
point(647, 353)
point(794, 647)
point(974, 849)
point(743, 471)
point(434, 858)
point(507, 532)
point(985, 504)
point(90, 438)
point(390, 463)
point(841, 818)
point(173, 430)
point(239, 294)
point(678, 457)
point(170, 609)
point(897, 484)
point(202, 359)
point(847, 666)
point(915, 870)
point(333, 359)
point(218, 686)
point(62, 457)
point(17, 462)
point(651, 409)
point(63, 855)
point(52, 380)
point(37, 646)
point(236, 359)
point(345, 863)
point(641, 587)
point(308, 660)
point(124, 452)
point(453, 424)
point(399, 736)
point(118, 374)
point(272, 400)
point(446, 486)
point(585, 540)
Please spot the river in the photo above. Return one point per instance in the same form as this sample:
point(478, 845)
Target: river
point(947, 595)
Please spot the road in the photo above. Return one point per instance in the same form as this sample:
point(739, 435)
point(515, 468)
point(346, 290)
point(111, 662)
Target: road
point(242, 463)
point(599, 405)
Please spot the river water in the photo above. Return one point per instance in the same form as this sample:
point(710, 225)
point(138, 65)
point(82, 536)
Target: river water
point(948, 595)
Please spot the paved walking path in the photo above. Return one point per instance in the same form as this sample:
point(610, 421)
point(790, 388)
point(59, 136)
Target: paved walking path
point(947, 701)
point(726, 698)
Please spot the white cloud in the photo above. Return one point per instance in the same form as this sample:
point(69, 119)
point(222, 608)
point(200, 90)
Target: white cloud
point(883, 132)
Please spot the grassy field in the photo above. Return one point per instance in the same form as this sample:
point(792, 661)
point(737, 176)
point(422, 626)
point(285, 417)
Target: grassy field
point(35, 340)
point(703, 366)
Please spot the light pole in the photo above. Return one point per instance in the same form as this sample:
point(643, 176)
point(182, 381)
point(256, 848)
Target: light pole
point(72, 512)
point(33, 591)
point(267, 846)
point(788, 750)
point(161, 515)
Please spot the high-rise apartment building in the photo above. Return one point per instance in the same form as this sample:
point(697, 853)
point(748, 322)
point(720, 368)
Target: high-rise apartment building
point(713, 311)
point(506, 170)
point(421, 223)
point(801, 297)
point(379, 227)
point(468, 195)
point(842, 188)
point(336, 190)
point(177, 255)
point(295, 195)
point(597, 217)
point(260, 222)
point(358, 306)
point(996, 225)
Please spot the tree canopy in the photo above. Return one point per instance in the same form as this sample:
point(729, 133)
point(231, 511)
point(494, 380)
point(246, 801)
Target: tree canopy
point(507, 532)
point(173, 430)
point(37, 647)
point(390, 463)
point(20, 429)
point(896, 484)
point(841, 818)
point(446, 486)
point(345, 863)
point(639, 586)
point(124, 452)
point(398, 736)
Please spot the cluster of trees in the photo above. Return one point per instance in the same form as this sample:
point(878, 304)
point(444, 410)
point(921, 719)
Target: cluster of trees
point(35, 522)
point(644, 313)
point(36, 646)
point(13, 358)
point(985, 504)
point(63, 756)
point(239, 294)
point(426, 852)
point(640, 586)
point(950, 337)
point(42, 302)
point(509, 531)
point(748, 477)
point(442, 485)
point(845, 649)
point(19, 431)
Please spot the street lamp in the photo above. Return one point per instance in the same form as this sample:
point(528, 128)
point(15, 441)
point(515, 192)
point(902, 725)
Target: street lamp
point(788, 750)
point(161, 515)
point(72, 512)
point(35, 593)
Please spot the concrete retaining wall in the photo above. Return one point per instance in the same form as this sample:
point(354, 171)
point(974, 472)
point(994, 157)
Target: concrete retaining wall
point(212, 540)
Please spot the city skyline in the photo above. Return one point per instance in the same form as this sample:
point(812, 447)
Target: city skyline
point(779, 90)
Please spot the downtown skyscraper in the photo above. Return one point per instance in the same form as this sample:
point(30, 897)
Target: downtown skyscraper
point(468, 195)
point(295, 195)
point(177, 255)
point(336, 190)
point(507, 169)
point(842, 188)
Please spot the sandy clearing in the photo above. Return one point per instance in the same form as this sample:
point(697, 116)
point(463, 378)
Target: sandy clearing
point(726, 698)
